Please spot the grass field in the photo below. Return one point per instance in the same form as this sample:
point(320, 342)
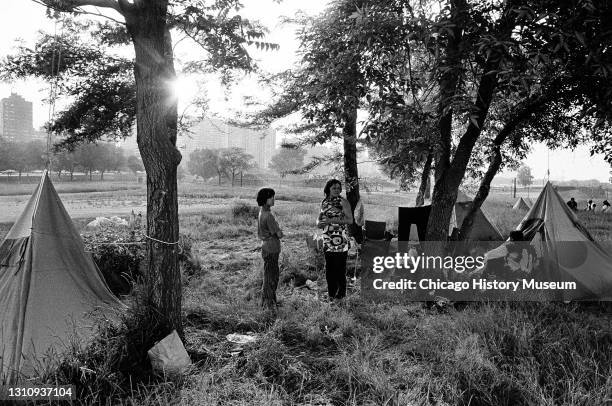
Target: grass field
point(312, 352)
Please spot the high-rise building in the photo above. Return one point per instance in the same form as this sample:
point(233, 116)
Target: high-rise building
point(16, 118)
point(216, 134)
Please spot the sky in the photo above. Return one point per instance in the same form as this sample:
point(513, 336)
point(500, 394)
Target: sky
point(23, 18)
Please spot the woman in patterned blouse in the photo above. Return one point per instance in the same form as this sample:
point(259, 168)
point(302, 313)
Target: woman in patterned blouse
point(335, 215)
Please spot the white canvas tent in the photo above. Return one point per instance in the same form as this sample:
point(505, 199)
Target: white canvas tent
point(50, 287)
point(566, 249)
point(521, 204)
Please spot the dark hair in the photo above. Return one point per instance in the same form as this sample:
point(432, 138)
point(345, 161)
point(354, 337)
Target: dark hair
point(516, 235)
point(329, 184)
point(263, 195)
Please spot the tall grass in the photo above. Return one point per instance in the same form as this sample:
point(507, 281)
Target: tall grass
point(311, 352)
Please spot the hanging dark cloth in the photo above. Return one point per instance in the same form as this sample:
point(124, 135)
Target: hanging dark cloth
point(375, 230)
point(407, 216)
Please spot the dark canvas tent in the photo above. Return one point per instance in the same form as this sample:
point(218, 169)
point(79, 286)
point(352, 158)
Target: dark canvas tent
point(49, 287)
point(482, 229)
point(567, 250)
point(521, 204)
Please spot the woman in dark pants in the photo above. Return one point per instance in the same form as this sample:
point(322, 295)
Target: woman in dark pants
point(334, 217)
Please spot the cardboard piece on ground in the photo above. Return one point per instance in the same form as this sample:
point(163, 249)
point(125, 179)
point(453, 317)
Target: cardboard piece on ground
point(169, 355)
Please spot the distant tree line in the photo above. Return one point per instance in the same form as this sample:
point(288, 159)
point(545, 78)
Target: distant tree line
point(220, 163)
point(88, 158)
point(230, 162)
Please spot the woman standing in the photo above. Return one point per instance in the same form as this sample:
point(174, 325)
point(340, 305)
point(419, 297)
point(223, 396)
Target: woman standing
point(335, 215)
point(270, 234)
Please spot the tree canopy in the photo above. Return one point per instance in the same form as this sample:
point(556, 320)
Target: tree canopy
point(287, 160)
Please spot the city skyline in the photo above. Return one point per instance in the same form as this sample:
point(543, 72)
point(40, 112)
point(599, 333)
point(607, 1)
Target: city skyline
point(216, 134)
point(564, 164)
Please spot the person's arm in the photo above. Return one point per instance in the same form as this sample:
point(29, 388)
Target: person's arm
point(274, 227)
point(359, 211)
point(348, 216)
point(322, 220)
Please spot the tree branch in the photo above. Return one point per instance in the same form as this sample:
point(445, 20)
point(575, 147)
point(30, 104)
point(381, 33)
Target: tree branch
point(50, 4)
point(125, 6)
point(97, 3)
point(69, 5)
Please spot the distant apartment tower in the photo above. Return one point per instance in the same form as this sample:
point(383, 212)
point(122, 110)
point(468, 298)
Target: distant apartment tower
point(216, 134)
point(16, 118)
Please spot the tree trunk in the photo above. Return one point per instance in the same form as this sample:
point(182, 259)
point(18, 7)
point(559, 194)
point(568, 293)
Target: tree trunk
point(481, 195)
point(351, 173)
point(442, 198)
point(240, 178)
point(420, 200)
point(450, 174)
point(156, 136)
point(102, 175)
point(521, 112)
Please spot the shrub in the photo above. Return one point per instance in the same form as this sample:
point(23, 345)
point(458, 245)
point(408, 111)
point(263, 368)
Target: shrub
point(242, 210)
point(118, 253)
point(190, 263)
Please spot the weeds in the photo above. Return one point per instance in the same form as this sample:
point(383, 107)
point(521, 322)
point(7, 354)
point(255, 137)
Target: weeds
point(353, 353)
point(242, 210)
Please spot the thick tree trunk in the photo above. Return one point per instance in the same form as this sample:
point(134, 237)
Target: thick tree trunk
point(450, 174)
point(351, 173)
point(420, 199)
point(442, 199)
point(156, 137)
